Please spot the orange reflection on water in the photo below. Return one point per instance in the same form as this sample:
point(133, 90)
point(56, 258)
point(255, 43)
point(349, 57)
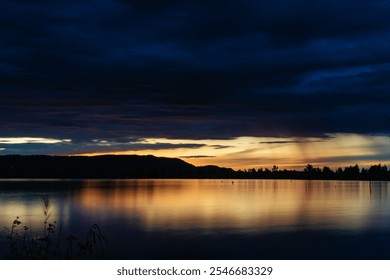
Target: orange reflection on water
point(30, 213)
point(240, 205)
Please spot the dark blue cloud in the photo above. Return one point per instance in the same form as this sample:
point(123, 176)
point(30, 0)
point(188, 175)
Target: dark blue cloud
point(194, 69)
point(63, 146)
point(197, 156)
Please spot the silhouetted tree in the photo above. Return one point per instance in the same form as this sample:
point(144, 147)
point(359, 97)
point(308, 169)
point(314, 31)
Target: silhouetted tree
point(352, 172)
point(327, 173)
point(308, 168)
point(378, 172)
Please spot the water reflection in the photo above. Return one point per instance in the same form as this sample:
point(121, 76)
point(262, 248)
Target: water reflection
point(245, 206)
point(204, 205)
point(155, 219)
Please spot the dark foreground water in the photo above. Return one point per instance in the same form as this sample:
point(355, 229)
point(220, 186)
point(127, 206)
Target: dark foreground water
point(208, 219)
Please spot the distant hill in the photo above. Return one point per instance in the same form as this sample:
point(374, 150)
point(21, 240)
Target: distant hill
point(134, 166)
point(107, 166)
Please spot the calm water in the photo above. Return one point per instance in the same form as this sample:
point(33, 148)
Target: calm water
point(211, 219)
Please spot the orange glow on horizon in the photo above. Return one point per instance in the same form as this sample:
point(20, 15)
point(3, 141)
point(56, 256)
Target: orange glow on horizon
point(336, 150)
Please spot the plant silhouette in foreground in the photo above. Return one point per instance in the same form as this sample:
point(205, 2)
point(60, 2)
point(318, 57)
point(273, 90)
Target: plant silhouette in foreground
point(52, 243)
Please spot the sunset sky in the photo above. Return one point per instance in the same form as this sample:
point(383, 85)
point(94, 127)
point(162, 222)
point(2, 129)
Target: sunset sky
point(241, 84)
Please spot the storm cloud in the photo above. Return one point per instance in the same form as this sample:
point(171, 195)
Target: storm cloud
point(193, 69)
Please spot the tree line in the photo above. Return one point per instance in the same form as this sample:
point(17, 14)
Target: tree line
point(374, 172)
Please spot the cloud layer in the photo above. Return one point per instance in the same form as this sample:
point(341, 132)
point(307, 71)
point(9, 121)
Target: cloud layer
point(193, 69)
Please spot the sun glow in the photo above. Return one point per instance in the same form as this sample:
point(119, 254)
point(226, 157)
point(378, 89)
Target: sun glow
point(332, 150)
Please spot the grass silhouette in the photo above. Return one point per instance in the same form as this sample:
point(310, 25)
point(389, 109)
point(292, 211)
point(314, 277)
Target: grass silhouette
point(52, 243)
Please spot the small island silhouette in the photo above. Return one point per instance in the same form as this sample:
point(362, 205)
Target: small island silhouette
point(137, 167)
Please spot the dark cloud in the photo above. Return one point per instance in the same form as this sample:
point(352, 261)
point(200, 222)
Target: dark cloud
point(289, 142)
point(197, 156)
point(96, 145)
point(219, 146)
point(194, 69)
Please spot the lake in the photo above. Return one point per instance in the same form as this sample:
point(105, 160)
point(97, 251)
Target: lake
point(206, 219)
